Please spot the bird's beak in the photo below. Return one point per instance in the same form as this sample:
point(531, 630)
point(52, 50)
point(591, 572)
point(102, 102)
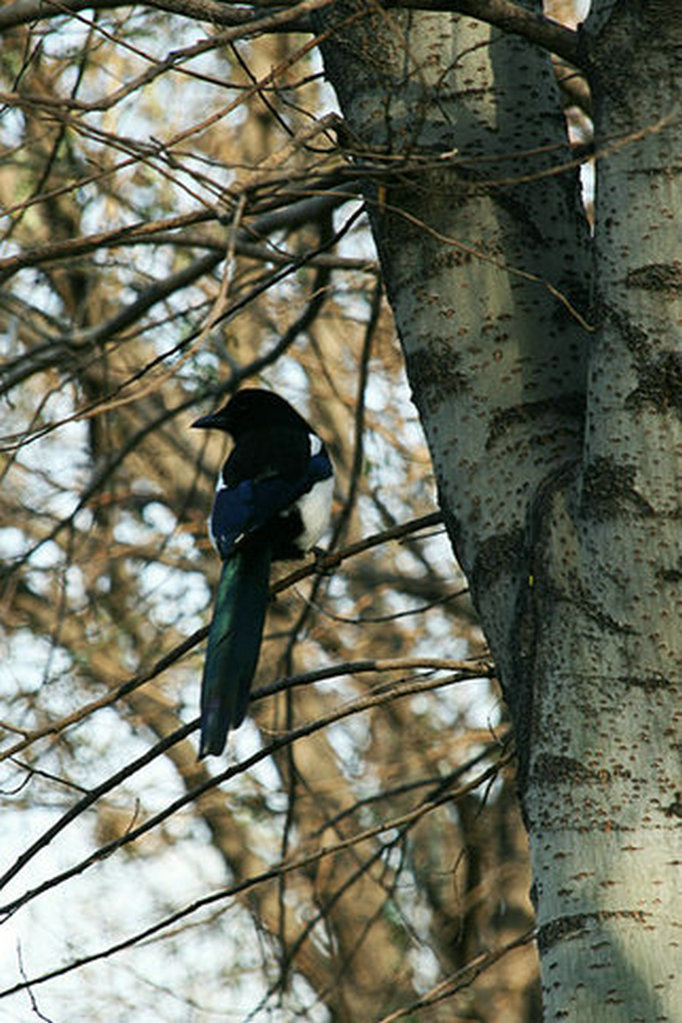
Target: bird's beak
point(205, 422)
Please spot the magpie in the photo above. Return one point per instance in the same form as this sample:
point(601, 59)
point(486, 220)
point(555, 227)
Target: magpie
point(272, 503)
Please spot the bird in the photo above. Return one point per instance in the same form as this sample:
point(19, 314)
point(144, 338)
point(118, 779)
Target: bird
point(272, 503)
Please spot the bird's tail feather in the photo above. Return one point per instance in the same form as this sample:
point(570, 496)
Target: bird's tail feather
point(233, 644)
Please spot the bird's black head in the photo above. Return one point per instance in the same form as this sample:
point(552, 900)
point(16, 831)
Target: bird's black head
point(252, 409)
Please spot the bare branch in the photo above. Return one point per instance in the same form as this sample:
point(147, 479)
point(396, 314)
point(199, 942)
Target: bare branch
point(425, 806)
point(290, 17)
point(511, 17)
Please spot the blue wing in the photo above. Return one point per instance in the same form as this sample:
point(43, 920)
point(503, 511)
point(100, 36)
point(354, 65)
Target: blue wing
point(252, 504)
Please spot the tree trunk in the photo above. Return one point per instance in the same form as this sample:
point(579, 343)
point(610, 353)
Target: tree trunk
point(557, 445)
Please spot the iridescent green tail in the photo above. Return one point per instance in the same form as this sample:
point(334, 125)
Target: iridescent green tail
point(234, 643)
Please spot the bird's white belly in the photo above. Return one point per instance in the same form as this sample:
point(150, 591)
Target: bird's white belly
point(315, 510)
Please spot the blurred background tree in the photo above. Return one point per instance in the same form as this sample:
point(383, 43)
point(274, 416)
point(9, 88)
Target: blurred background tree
point(179, 219)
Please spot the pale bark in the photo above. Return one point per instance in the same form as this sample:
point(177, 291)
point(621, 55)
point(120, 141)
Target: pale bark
point(604, 810)
point(571, 539)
